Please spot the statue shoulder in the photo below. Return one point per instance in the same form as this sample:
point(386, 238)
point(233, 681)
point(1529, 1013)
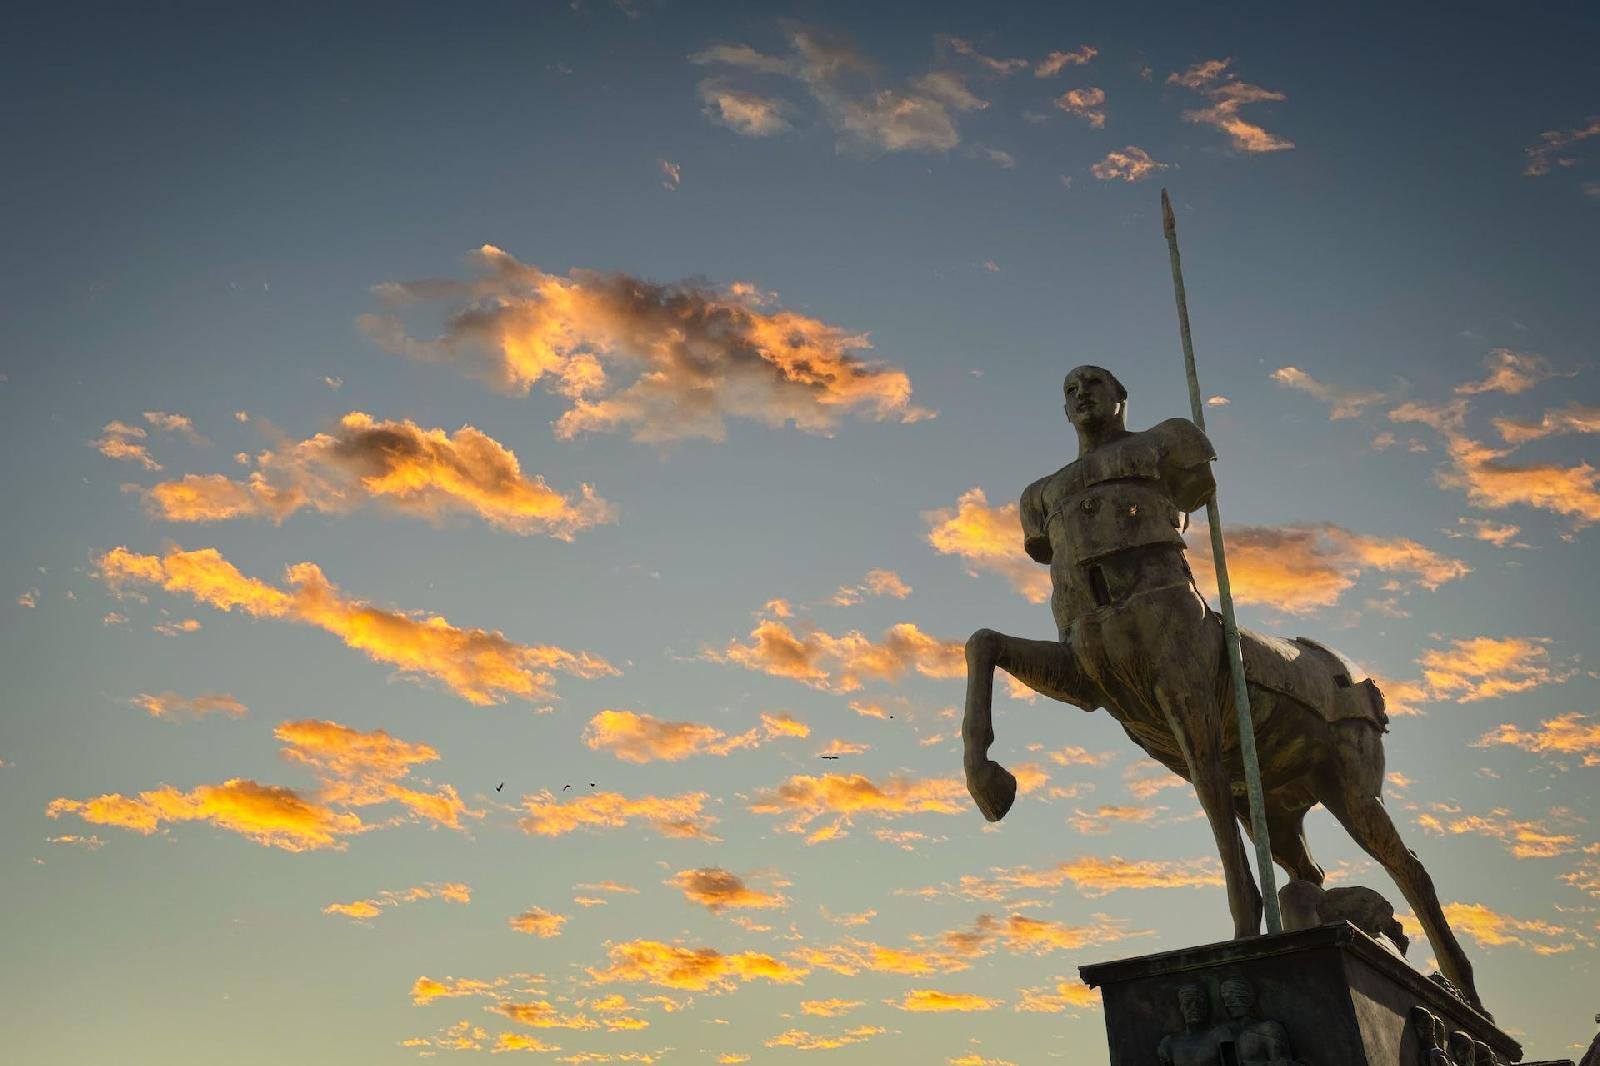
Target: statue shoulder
point(1183, 444)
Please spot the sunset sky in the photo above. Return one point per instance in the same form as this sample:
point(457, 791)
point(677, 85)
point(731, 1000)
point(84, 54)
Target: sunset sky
point(498, 493)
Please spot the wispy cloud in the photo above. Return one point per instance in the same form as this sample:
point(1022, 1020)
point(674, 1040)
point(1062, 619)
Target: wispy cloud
point(988, 539)
point(641, 738)
point(1574, 418)
point(1548, 152)
point(804, 799)
point(1342, 402)
point(690, 969)
point(372, 907)
point(697, 355)
point(1066, 995)
point(1572, 733)
point(1525, 838)
point(839, 664)
point(1056, 62)
point(671, 816)
point(1086, 103)
point(123, 442)
point(717, 890)
point(1493, 929)
point(536, 921)
point(170, 705)
point(802, 1040)
point(931, 1000)
point(480, 666)
point(1480, 668)
point(395, 464)
point(1228, 94)
point(1510, 372)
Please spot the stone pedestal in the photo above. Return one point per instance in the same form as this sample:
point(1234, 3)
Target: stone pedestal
point(1328, 996)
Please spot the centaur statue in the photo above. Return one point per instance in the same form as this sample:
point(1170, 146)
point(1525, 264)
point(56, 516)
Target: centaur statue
point(1137, 638)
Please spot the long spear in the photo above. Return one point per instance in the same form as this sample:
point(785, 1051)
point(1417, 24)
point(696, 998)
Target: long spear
point(1230, 628)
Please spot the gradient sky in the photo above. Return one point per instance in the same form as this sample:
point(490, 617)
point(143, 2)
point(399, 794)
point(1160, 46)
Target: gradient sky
point(401, 400)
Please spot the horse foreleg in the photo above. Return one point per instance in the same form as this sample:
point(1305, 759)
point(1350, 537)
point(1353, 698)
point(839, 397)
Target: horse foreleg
point(1047, 667)
point(1199, 738)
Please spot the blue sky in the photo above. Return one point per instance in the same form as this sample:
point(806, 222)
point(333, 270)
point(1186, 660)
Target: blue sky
point(1390, 267)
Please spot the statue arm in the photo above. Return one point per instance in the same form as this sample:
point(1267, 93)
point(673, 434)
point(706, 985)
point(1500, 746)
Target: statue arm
point(1035, 537)
point(1186, 456)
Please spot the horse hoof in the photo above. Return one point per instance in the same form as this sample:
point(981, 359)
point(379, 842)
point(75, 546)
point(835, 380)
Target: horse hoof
point(993, 789)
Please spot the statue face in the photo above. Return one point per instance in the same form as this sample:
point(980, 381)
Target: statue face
point(1192, 1002)
point(1238, 998)
point(1091, 397)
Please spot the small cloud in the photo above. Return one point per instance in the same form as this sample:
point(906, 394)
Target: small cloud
point(121, 441)
point(1510, 372)
point(334, 383)
point(717, 890)
point(1217, 401)
point(29, 599)
point(536, 921)
point(171, 705)
point(1227, 93)
point(673, 174)
point(1056, 62)
point(1086, 103)
point(1343, 403)
point(1548, 151)
point(1129, 164)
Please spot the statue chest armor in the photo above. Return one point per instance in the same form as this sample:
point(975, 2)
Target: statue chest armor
point(1108, 501)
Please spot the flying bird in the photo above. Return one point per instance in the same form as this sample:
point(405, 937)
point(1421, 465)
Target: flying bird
point(498, 787)
point(565, 787)
point(827, 756)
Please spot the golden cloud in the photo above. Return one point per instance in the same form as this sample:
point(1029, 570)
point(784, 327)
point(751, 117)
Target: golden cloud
point(690, 969)
point(172, 705)
point(481, 666)
point(642, 738)
point(855, 956)
point(803, 799)
point(801, 1040)
point(1065, 996)
point(1574, 418)
point(1130, 164)
point(267, 814)
point(1104, 817)
point(1524, 838)
point(539, 922)
point(1299, 569)
point(521, 1042)
point(1035, 936)
point(398, 464)
point(701, 356)
point(828, 1008)
point(988, 538)
point(366, 909)
point(717, 890)
point(671, 816)
point(1483, 668)
point(1568, 734)
point(361, 769)
point(1492, 929)
point(1211, 78)
point(838, 664)
point(932, 1000)
point(1510, 372)
point(541, 1014)
point(783, 724)
point(424, 990)
point(1096, 876)
point(121, 441)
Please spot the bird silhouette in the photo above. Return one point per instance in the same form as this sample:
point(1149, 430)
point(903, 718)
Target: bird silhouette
point(828, 756)
point(498, 787)
point(565, 787)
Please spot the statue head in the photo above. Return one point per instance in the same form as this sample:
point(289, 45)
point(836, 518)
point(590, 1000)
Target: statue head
point(1095, 399)
point(1461, 1047)
point(1194, 1004)
point(1238, 996)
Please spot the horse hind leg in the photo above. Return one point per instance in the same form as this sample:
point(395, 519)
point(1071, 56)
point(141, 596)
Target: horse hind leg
point(1286, 833)
point(1048, 667)
point(1357, 806)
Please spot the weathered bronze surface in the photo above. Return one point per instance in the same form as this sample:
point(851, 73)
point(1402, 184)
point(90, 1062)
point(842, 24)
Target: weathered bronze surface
point(1137, 638)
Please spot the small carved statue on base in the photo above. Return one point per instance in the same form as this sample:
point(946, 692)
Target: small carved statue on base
point(1258, 1041)
point(1438, 1045)
point(1243, 1040)
point(1199, 1044)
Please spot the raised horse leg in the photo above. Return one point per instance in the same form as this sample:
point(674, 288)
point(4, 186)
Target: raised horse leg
point(1046, 666)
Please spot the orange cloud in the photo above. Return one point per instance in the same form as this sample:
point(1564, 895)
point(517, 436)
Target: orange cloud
point(481, 666)
point(171, 423)
point(1484, 530)
point(855, 956)
point(700, 356)
point(690, 969)
point(1086, 103)
point(1212, 79)
point(1343, 403)
point(671, 816)
point(1056, 62)
point(366, 909)
point(838, 664)
point(783, 724)
point(717, 890)
point(801, 1040)
point(539, 922)
point(362, 769)
point(1102, 818)
point(932, 1000)
point(828, 1008)
point(172, 705)
point(1130, 164)
point(1574, 418)
point(424, 990)
point(1096, 876)
point(642, 738)
point(876, 583)
point(988, 538)
point(541, 1014)
point(1492, 929)
point(1066, 996)
point(1525, 839)
point(803, 799)
point(521, 1042)
point(120, 441)
point(398, 464)
point(1489, 667)
point(1035, 936)
point(1510, 372)
point(1567, 734)
point(1299, 569)
point(266, 814)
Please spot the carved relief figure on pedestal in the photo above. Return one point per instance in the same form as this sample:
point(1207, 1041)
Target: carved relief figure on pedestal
point(1200, 1044)
point(1257, 1041)
point(1136, 637)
